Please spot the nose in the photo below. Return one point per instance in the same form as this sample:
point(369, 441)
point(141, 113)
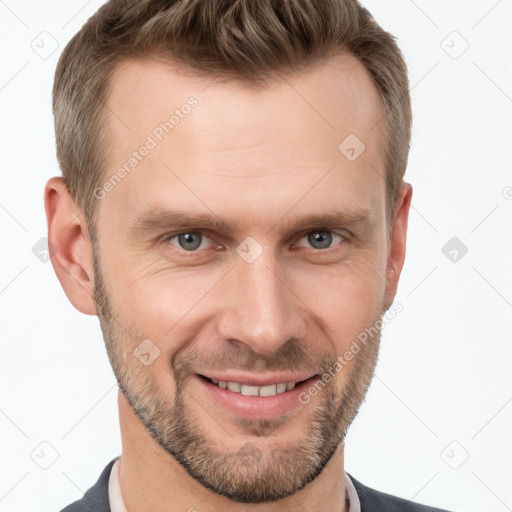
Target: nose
point(260, 308)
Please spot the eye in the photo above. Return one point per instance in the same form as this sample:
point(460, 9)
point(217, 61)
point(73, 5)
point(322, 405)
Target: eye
point(323, 239)
point(193, 241)
point(188, 240)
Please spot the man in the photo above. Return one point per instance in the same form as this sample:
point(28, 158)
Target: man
point(233, 209)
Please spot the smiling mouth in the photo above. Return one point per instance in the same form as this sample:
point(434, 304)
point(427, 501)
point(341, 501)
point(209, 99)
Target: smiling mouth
point(251, 390)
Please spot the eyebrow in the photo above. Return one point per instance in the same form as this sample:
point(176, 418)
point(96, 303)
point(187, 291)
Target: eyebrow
point(158, 219)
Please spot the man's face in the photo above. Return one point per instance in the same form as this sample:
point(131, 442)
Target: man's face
point(266, 294)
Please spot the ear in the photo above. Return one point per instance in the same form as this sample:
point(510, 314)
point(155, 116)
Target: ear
point(70, 246)
point(397, 241)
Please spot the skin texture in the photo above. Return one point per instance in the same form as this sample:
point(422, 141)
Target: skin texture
point(263, 158)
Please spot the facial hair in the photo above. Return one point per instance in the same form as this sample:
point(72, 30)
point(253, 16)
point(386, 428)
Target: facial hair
point(253, 473)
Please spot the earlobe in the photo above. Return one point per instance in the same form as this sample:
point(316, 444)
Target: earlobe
point(70, 247)
point(398, 241)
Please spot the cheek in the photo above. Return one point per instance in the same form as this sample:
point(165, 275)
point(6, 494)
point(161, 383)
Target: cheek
point(346, 300)
point(168, 307)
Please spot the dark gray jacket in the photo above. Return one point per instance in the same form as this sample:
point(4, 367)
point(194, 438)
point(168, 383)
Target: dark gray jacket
point(96, 498)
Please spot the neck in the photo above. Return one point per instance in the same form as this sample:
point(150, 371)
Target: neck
point(151, 479)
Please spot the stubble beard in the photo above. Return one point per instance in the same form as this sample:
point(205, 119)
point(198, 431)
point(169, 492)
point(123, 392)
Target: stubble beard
point(255, 472)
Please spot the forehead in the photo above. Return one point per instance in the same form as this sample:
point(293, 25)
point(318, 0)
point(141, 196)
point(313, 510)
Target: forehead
point(240, 142)
point(334, 94)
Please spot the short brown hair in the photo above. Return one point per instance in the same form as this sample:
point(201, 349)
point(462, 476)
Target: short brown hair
point(248, 40)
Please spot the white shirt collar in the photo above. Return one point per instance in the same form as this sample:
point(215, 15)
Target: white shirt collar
point(114, 489)
point(355, 504)
point(117, 504)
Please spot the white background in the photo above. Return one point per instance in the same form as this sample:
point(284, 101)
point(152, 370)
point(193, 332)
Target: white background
point(442, 390)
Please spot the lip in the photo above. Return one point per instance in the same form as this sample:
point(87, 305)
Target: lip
point(251, 380)
point(255, 407)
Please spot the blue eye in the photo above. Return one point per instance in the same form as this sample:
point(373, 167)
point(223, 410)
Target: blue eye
point(192, 241)
point(322, 239)
point(188, 240)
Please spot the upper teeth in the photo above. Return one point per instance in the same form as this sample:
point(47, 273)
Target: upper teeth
point(244, 389)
